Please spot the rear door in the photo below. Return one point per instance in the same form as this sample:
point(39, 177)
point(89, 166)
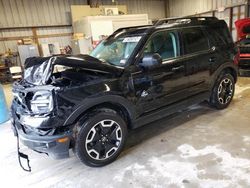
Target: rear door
point(198, 57)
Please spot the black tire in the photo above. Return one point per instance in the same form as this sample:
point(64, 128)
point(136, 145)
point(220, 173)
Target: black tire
point(223, 91)
point(89, 141)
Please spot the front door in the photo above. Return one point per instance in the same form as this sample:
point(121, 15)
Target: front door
point(165, 84)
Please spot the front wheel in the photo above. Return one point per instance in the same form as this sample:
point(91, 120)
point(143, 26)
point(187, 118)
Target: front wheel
point(101, 139)
point(223, 91)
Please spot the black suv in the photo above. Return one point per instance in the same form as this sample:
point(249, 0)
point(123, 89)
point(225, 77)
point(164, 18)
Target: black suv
point(136, 76)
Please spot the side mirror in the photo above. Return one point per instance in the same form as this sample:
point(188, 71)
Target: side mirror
point(150, 60)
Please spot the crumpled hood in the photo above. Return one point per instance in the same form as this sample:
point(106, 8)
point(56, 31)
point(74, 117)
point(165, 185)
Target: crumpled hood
point(243, 27)
point(39, 69)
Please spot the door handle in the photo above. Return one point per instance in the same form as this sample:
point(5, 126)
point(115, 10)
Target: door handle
point(178, 68)
point(212, 59)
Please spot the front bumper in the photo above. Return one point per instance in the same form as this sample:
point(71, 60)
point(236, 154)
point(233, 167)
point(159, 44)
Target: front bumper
point(56, 146)
point(244, 63)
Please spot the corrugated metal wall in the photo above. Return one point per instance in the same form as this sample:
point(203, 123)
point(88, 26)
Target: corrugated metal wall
point(154, 8)
point(23, 13)
point(177, 8)
point(35, 12)
point(190, 7)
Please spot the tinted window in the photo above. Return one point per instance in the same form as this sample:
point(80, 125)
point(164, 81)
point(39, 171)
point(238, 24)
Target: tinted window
point(164, 43)
point(219, 34)
point(194, 40)
point(216, 38)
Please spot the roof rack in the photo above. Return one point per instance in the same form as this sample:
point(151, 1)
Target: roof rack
point(133, 27)
point(183, 19)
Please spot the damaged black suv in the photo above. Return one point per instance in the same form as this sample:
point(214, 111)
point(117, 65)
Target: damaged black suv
point(136, 76)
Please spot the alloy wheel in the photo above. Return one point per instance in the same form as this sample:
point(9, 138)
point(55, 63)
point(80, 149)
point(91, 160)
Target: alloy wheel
point(103, 139)
point(225, 91)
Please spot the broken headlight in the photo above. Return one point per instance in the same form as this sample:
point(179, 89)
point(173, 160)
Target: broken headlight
point(42, 102)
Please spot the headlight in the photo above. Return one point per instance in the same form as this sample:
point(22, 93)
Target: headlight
point(42, 102)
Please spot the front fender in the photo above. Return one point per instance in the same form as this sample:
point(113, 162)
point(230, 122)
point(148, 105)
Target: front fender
point(93, 101)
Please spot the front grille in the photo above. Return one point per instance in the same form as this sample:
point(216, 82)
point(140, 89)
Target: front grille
point(244, 63)
point(244, 49)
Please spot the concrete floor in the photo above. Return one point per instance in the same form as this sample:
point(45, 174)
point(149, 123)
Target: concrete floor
point(198, 147)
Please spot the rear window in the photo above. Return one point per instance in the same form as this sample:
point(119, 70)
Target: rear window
point(194, 40)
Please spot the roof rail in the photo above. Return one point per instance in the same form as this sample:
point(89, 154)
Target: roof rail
point(176, 19)
point(133, 27)
point(119, 31)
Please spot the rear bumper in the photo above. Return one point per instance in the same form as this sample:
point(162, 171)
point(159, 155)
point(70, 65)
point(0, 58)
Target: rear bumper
point(48, 144)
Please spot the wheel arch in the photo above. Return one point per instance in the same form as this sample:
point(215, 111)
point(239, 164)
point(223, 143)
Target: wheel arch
point(227, 67)
point(117, 103)
point(233, 73)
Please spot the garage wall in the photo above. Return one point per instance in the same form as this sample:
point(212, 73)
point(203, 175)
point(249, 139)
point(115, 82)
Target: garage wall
point(23, 13)
point(54, 12)
point(35, 12)
point(154, 8)
point(26, 13)
point(229, 10)
point(190, 7)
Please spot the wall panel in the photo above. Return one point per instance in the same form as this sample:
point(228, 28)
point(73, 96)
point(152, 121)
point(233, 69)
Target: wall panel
point(22, 13)
point(179, 8)
point(57, 12)
point(190, 7)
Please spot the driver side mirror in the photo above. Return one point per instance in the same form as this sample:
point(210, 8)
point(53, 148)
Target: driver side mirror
point(150, 61)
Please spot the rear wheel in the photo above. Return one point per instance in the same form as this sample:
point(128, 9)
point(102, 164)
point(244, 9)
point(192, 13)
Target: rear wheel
point(101, 139)
point(223, 91)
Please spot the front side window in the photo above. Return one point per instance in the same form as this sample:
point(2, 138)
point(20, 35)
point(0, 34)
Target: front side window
point(194, 40)
point(164, 43)
point(116, 51)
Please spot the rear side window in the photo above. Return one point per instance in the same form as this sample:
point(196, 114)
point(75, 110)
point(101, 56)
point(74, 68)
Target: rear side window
point(194, 40)
point(219, 33)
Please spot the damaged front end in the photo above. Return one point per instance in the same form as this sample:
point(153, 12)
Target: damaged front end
point(50, 91)
point(35, 121)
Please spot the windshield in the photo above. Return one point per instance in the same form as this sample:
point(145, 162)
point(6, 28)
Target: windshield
point(116, 51)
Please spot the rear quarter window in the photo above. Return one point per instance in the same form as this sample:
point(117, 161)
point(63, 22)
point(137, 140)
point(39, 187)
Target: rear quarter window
point(194, 40)
point(219, 33)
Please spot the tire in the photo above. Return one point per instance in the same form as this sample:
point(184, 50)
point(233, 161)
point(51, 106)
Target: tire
point(100, 139)
point(223, 91)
